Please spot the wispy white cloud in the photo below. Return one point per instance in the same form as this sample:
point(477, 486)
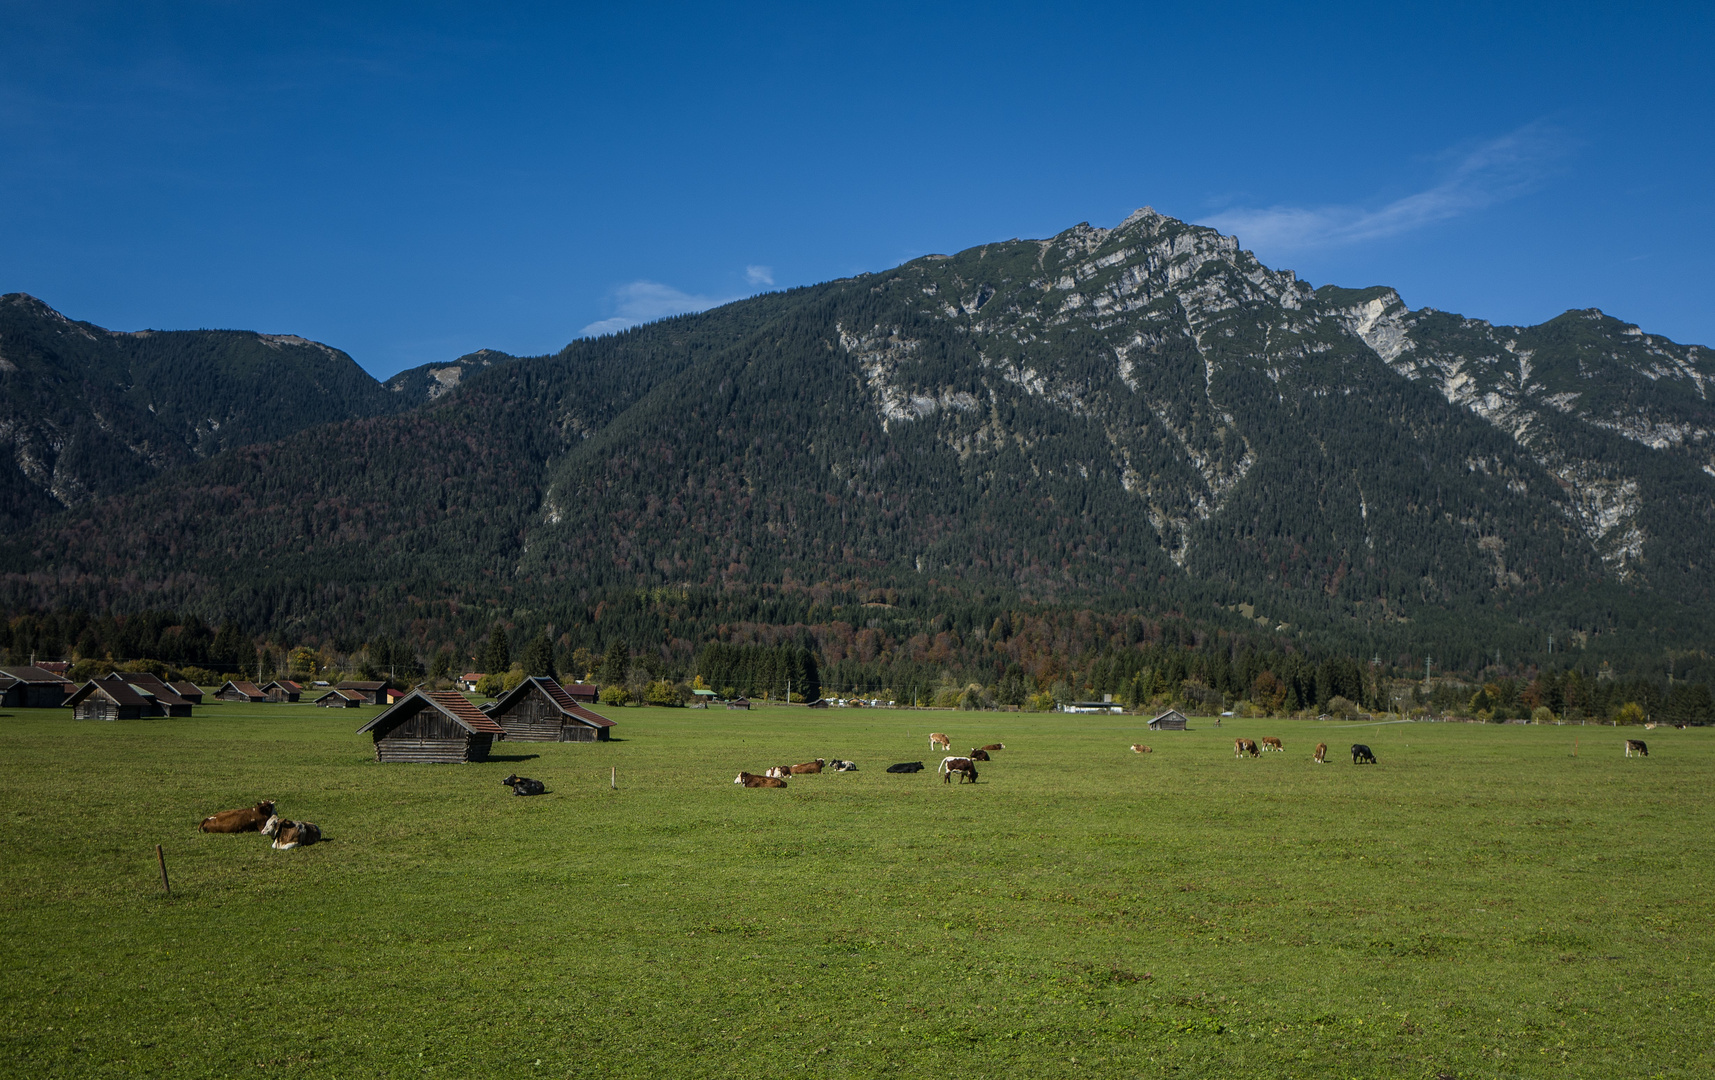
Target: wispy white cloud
point(645, 301)
point(759, 275)
point(1491, 173)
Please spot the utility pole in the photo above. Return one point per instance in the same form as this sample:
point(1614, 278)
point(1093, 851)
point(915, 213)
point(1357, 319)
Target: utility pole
point(1551, 644)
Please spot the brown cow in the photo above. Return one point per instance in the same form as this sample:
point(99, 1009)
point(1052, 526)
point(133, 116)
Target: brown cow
point(1139, 748)
point(979, 755)
point(964, 766)
point(936, 739)
point(779, 772)
point(751, 780)
point(1241, 747)
point(1638, 746)
point(807, 767)
point(290, 834)
point(1321, 753)
point(248, 820)
point(1269, 742)
point(995, 746)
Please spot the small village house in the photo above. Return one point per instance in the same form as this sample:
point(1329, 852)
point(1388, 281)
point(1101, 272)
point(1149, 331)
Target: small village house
point(432, 726)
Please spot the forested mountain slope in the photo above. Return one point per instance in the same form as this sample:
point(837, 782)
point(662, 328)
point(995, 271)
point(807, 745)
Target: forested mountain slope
point(87, 412)
point(1138, 417)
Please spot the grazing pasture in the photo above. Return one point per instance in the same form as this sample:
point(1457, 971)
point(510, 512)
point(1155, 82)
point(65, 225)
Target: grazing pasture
point(1479, 904)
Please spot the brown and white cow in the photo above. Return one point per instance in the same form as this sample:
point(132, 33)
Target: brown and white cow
point(979, 754)
point(289, 834)
point(1241, 747)
point(250, 819)
point(1321, 753)
point(807, 767)
point(995, 746)
point(1139, 748)
point(964, 766)
point(1269, 742)
point(938, 740)
point(779, 772)
point(1638, 746)
point(752, 780)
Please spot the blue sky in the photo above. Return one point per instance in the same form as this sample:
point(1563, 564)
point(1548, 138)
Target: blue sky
point(413, 182)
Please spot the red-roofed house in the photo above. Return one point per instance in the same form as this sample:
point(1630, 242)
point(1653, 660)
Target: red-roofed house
point(240, 690)
point(540, 710)
point(433, 726)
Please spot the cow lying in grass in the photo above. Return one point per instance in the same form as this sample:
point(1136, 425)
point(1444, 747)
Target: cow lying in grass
point(810, 767)
point(289, 834)
point(978, 755)
point(964, 766)
point(906, 766)
point(752, 780)
point(1636, 746)
point(841, 765)
point(1139, 748)
point(523, 785)
point(250, 819)
point(995, 746)
point(1361, 755)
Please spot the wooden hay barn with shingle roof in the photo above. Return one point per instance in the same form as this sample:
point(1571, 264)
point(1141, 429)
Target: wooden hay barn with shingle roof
point(110, 699)
point(433, 726)
point(31, 687)
point(540, 710)
point(240, 690)
point(338, 699)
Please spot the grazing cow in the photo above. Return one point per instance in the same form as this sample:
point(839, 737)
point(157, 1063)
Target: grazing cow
point(1269, 742)
point(841, 765)
point(751, 780)
point(906, 766)
point(995, 746)
point(1241, 747)
point(807, 767)
point(1638, 746)
point(523, 785)
point(1321, 753)
point(964, 766)
point(979, 755)
point(1139, 748)
point(938, 740)
point(289, 834)
point(248, 820)
point(1361, 755)
point(779, 772)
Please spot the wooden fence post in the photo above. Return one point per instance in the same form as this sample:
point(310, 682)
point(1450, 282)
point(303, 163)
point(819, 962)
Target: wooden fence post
point(161, 858)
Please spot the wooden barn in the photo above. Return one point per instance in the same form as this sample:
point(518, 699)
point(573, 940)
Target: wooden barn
point(1171, 720)
point(739, 703)
point(433, 726)
point(583, 693)
point(540, 710)
point(282, 690)
point(190, 691)
point(109, 699)
point(370, 692)
point(239, 690)
point(166, 701)
point(32, 687)
point(338, 699)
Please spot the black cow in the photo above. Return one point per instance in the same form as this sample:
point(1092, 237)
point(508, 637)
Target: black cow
point(523, 785)
point(1361, 755)
point(979, 755)
point(906, 766)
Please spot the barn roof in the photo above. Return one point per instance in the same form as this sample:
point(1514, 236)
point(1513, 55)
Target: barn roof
point(115, 690)
point(148, 684)
point(11, 676)
point(183, 688)
point(341, 695)
point(350, 685)
point(556, 693)
point(243, 686)
point(454, 705)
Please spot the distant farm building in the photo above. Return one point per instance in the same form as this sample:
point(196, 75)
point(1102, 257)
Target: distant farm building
point(393, 696)
point(588, 693)
point(432, 726)
point(739, 703)
point(167, 700)
point(369, 691)
point(240, 690)
point(338, 699)
point(467, 682)
point(282, 690)
point(32, 687)
point(540, 710)
point(101, 699)
point(1171, 720)
point(1093, 707)
point(190, 691)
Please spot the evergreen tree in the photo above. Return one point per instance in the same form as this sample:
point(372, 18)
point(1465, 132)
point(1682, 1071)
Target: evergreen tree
point(613, 664)
point(498, 658)
point(539, 656)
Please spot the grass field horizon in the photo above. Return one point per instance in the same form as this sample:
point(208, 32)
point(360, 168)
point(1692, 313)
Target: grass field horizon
point(1480, 904)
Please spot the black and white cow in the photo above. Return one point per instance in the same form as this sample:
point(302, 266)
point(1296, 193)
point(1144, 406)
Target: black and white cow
point(523, 785)
point(1361, 755)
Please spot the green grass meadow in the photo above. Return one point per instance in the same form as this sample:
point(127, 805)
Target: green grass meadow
point(1480, 904)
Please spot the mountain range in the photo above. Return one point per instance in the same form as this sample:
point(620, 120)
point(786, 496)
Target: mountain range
point(1139, 418)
